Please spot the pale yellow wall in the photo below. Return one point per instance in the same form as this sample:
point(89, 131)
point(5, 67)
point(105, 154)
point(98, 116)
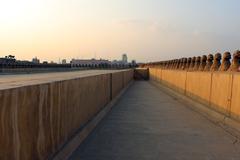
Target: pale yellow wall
point(151, 74)
point(180, 81)
point(218, 90)
point(235, 103)
point(174, 79)
point(158, 75)
point(166, 74)
point(198, 85)
point(221, 91)
point(155, 74)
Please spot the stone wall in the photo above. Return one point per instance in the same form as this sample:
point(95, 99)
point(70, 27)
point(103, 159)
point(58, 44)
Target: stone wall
point(218, 90)
point(37, 120)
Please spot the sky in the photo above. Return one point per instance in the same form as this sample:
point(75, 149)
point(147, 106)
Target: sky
point(147, 30)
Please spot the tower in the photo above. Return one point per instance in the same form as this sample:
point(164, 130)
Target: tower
point(124, 58)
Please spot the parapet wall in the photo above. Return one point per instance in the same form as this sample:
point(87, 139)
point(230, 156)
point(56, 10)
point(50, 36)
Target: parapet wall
point(218, 62)
point(218, 90)
point(37, 120)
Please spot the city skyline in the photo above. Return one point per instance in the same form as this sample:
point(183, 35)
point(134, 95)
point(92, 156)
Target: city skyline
point(68, 60)
point(145, 30)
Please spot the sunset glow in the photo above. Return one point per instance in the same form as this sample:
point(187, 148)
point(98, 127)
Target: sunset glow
point(145, 30)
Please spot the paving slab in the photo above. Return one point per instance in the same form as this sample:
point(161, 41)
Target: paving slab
point(148, 124)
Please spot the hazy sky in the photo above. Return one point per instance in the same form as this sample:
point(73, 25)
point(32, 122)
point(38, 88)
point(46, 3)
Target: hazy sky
point(147, 30)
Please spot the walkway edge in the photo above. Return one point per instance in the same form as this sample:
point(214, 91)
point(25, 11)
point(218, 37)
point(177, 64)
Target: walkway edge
point(229, 125)
point(74, 143)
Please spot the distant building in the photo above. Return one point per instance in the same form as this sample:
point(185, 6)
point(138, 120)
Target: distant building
point(35, 60)
point(64, 61)
point(52, 62)
point(124, 58)
point(90, 62)
point(134, 63)
point(8, 59)
point(117, 64)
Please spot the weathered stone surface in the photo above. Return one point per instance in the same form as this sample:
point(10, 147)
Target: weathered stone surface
point(128, 76)
point(235, 102)
point(169, 79)
point(37, 116)
point(117, 83)
point(198, 86)
point(221, 92)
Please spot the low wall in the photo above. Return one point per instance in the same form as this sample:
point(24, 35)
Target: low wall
point(218, 90)
point(141, 74)
point(37, 120)
point(198, 86)
point(117, 83)
point(235, 105)
point(128, 76)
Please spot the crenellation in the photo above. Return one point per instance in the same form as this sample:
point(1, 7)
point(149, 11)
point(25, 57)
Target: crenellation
point(203, 63)
point(184, 66)
point(197, 63)
point(226, 63)
point(235, 66)
point(209, 62)
point(216, 62)
point(179, 62)
point(175, 64)
point(189, 60)
point(192, 64)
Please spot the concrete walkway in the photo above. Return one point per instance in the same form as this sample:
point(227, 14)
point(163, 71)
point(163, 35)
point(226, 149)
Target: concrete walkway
point(147, 124)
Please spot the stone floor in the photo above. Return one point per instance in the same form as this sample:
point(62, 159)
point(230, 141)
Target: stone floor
point(147, 124)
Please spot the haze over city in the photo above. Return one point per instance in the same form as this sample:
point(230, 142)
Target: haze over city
point(147, 30)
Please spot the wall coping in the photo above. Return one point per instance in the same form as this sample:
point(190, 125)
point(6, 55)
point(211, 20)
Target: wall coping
point(17, 81)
